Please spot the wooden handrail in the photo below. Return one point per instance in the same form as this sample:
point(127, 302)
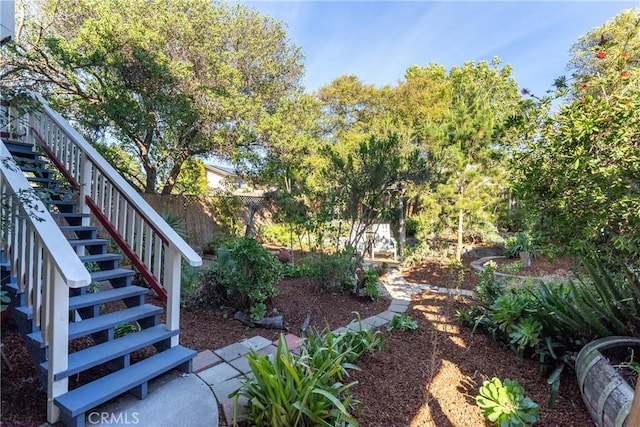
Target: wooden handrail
point(65, 259)
point(152, 218)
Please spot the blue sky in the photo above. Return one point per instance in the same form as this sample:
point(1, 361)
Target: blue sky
point(378, 40)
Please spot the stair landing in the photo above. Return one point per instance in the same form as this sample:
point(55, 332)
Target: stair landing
point(175, 399)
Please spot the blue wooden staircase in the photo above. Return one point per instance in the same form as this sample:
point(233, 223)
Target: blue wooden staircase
point(98, 311)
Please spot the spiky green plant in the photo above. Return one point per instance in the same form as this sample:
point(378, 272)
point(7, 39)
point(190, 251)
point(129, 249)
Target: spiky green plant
point(289, 390)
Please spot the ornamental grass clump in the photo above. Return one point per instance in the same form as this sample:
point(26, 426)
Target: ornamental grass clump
point(306, 389)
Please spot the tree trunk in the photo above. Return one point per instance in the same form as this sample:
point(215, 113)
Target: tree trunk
point(460, 228)
point(150, 184)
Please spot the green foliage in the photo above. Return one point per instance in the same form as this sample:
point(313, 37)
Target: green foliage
point(258, 311)
point(169, 81)
point(489, 288)
point(4, 300)
point(334, 272)
point(417, 254)
point(579, 174)
point(512, 268)
point(226, 209)
point(306, 389)
point(124, 329)
point(509, 308)
point(520, 242)
point(292, 271)
point(504, 404)
point(371, 282)
point(402, 323)
point(177, 223)
point(351, 344)
point(607, 303)
point(278, 234)
point(525, 333)
point(216, 241)
point(190, 278)
point(245, 274)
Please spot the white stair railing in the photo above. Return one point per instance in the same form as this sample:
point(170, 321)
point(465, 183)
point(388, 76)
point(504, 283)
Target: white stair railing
point(45, 266)
point(151, 244)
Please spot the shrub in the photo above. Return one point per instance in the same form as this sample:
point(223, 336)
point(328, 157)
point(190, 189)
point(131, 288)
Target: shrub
point(333, 272)
point(520, 242)
point(371, 281)
point(489, 288)
point(277, 234)
point(211, 248)
point(189, 282)
point(244, 275)
point(504, 403)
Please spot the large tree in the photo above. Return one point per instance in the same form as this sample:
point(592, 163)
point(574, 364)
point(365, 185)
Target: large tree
point(166, 81)
point(581, 174)
point(458, 118)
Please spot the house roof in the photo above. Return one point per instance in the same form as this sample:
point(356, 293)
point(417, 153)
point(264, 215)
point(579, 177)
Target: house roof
point(221, 170)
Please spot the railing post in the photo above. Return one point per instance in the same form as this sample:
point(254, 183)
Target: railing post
point(85, 186)
point(171, 283)
point(57, 331)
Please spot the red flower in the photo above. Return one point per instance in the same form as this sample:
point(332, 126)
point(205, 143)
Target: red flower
point(625, 55)
point(585, 86)
point(624, 74)
point(601, 55)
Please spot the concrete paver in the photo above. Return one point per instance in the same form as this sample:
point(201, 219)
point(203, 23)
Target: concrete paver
point(222, 390)
point(205, 359)
point(218, 373)
point(257, 342)
point(232, 351)
point(241, 364)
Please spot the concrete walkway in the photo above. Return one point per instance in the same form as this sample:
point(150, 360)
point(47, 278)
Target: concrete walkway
point(193, 400)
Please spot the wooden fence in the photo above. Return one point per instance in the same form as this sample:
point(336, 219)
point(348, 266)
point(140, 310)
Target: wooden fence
point(198, 215)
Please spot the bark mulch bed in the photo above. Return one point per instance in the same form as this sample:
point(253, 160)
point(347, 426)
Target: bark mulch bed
point(427, 377)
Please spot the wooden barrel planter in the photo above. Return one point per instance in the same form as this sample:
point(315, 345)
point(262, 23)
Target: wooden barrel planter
point(606, 394)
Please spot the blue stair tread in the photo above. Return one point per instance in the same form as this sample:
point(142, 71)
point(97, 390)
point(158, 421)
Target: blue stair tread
point(105, 321)
point(78, 228)
point(80, 400)
point(110, 350)
point(70, 214)
point(100, 257)
point(99, 276)
point(87, 242)
point(43, 180)
point(90, 299)
point(16, 145)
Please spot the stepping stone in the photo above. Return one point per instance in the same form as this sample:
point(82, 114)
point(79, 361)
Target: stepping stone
point(205, 359)
point(232, 351)
point(218, 373)
point(228, 408)
point(293, 341)
point(271, 349)
point(241, 364)
point(257, 342)
point(222, 390)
